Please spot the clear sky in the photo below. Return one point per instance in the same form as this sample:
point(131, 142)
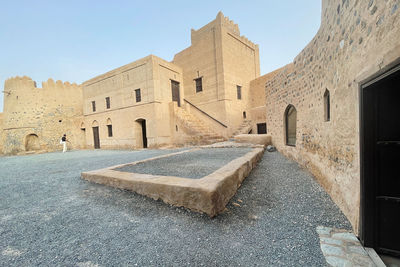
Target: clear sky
point(76, 40)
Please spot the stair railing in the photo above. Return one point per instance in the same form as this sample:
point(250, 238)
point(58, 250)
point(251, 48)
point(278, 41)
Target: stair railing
point(205, 113)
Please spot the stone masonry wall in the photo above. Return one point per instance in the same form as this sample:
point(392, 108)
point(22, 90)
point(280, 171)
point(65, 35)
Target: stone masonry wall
point(223, 59)
point(356, 39)
point(1, 133)
point(45, 113)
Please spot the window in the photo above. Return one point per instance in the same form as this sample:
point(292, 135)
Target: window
point(199, 84)
point(290, 125)
point(327, 105)
point(107, 102)
point(109, 128)
point(239, 91)
point(94, 106)
point(244, 115)
point(138, 95)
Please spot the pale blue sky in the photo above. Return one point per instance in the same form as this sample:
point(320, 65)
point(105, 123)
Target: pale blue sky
point(76, 40)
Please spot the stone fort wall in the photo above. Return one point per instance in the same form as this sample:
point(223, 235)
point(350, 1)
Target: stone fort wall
point(356, 40)
point(36, 118)
point(1, 132)
point(224, 59)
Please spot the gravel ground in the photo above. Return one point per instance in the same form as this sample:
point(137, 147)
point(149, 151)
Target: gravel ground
point(49, 216)
point(195, 165)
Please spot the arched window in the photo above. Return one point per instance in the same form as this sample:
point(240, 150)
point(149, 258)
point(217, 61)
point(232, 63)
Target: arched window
point(327, 105)
point(109, 127)
point(290, 125)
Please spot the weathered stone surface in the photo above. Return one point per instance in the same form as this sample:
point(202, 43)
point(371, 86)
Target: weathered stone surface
point(258, 139)
point(342, 248)
point(209, 194)
point(344, 56)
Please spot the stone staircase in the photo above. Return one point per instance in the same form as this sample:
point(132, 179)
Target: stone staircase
point(244, 128)
point(198, 133)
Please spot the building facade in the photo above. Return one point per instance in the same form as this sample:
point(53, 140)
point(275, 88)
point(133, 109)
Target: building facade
point(333, 111)
point(202, 96)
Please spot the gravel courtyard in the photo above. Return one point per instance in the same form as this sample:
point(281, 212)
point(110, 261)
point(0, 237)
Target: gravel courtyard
point(50, 216)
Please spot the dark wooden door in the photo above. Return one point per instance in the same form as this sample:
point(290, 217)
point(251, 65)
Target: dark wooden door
point(261, 128)
point(381, 163)
point(144, 134)
point(96, 137)
point(175, 92)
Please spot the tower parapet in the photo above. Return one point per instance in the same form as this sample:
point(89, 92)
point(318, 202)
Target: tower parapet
point(45, 112)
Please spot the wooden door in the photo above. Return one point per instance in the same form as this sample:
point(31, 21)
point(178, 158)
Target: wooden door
point(96, 137)
point(144, 134)
point(175, 92)
point(381, 163)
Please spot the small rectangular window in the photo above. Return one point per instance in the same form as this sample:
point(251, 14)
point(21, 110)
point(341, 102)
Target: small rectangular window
point(199, 84)
point(261, 128)
point(107, 102)
point(138, 95)
point(94, 106)
point(110, 133)
point(239, 91)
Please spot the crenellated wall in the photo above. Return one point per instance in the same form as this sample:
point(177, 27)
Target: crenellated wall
point(356, 39)
point(224, 59)
point(36, 118)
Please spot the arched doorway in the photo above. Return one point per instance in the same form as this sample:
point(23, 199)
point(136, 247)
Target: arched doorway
point(32, 142)
point(96, 136)
point(290, 125)
point(140, 133)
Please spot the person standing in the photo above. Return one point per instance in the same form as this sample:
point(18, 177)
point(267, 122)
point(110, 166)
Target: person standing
point(64, 143)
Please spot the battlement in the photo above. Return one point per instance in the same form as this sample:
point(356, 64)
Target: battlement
point(26, 83)
point(227, 23)
point(224, 22)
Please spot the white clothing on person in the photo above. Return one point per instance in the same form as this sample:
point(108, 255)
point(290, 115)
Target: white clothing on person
point(64, 143)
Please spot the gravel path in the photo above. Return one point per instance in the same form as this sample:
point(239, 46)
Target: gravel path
point(49, 216)
point(195, 164)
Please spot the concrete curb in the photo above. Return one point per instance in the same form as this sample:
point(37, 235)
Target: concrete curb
point(209, 194)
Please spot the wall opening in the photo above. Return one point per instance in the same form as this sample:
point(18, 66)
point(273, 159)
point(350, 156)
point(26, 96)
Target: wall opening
point(96, 135)
point(290, 125)
point(380, 150)
point(261, 128)
point(175, 92)
point(32, 142)
point(109, 128)
point(141, 133)
point(327, 105)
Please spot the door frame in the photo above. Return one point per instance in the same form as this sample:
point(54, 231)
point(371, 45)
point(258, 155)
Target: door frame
point(367, 223)
point(179, 91)
point(94, 137)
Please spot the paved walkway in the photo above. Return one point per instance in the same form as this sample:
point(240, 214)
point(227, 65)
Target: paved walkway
point(342, 248)
point(49, 216)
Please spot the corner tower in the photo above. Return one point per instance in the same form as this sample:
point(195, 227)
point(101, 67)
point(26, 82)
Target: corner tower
point(223, 62)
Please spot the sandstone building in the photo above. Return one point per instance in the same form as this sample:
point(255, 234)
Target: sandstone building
point(333, 109)
point(202, 96)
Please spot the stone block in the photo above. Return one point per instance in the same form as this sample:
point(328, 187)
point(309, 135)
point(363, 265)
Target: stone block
point(257, 139)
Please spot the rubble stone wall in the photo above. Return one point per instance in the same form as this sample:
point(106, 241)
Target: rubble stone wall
point(356, 40)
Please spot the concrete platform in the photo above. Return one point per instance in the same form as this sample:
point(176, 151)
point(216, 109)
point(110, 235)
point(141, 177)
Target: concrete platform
point(209, 194)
